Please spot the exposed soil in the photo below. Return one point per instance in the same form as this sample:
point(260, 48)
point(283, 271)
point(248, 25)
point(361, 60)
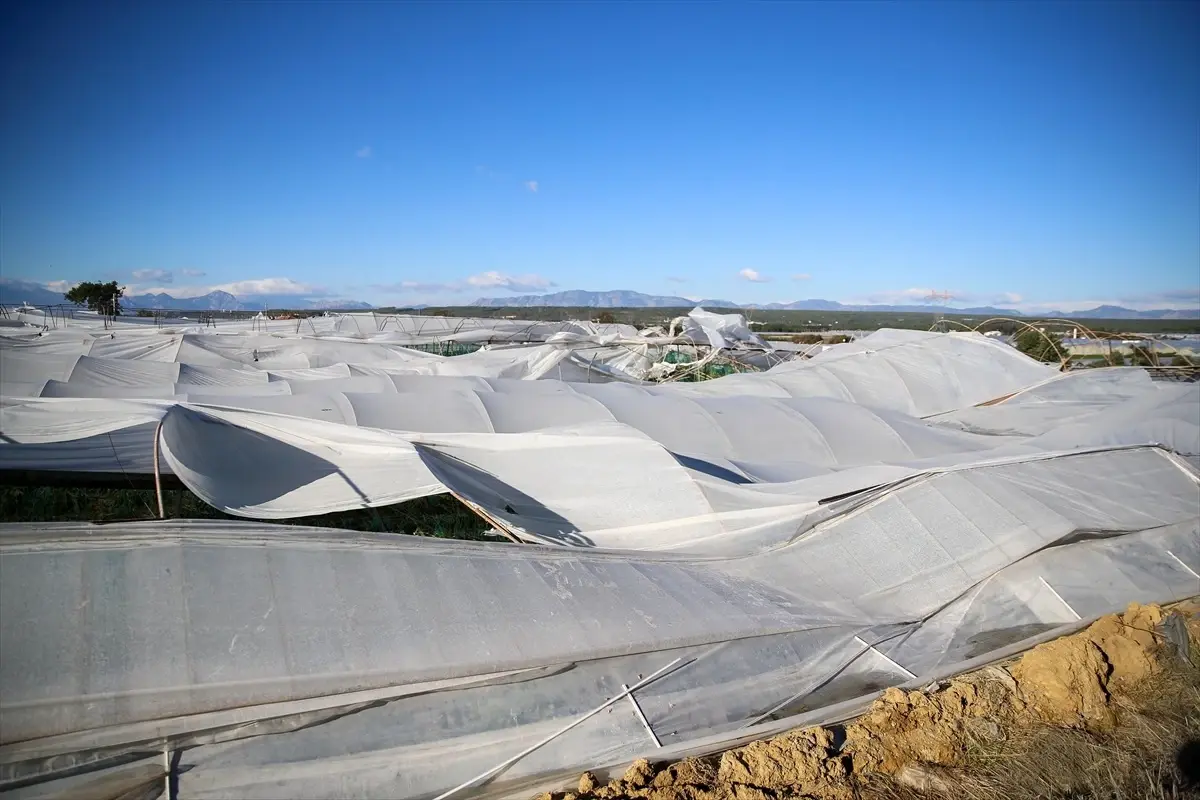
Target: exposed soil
point(1118, 678)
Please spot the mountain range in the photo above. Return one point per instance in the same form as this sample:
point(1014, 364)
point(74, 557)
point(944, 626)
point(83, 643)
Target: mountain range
point(13, 292)
point(628, 299)
point(224, 301)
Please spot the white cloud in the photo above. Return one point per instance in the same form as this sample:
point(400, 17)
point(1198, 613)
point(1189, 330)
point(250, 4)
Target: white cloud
point(1188, 298)
point(514, 283)
point(160, 275)
point(801, 276)
point(364, 151)
point(897, 297)
point(532, 186)
point(1010, 298)
point(269, 286)
point(193, 273)
point(272, 286)
point(59, 286)
point(753, 276)
point(402, 287)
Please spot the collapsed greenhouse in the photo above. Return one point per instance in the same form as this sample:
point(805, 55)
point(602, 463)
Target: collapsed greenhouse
point(693, 563)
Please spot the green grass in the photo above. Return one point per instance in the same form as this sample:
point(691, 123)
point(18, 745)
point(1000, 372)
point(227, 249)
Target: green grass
point(440, 516)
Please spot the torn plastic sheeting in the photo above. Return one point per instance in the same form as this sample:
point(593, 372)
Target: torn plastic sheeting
point(287, 467)
point(591, 600)
point(748, 518)
point(46, 758)
point(815, 434)
point(47, 420)
point(58, 389)
point(720, 331)
point(920, 374)
point(141, 779)
point(317, 623)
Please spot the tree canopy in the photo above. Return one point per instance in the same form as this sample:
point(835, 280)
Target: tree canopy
point(1042, 346)
point(102, 297)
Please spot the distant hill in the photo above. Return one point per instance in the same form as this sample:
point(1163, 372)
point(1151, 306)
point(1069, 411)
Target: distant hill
point(620, 298)
point(213, 301)
point(1120, 312)
point(623, 298)
point(224, 301)
point(833, 305)
point(13, 292)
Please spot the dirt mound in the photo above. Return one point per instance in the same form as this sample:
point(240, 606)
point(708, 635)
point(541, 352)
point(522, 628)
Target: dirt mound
point(797, 764)
point(1067, 681)
point(932, 728)
point(1081, 682)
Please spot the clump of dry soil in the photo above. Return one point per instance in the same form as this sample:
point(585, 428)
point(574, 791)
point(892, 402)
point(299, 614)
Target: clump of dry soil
point(1082, 683)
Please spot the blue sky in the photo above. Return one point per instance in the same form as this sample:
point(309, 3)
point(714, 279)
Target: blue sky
point(1030, 154)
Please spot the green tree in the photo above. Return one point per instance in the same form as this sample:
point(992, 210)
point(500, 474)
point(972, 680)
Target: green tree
point(102, 297)
point(1143, 356)
point(1042, 346)
point(606, 318)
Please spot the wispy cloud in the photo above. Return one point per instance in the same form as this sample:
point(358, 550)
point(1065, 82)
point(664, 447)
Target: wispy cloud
point(59, 286)
point(402, 287)
point(487, 172)
point(514, 283)
point(1189, 297)
point(364, 151)
point(270, 286)
point(801, 276)
point(159, 275)
point(491, 280)
point(193, 273)
point(255, 286)
point(900, 296)
point(532, 186)
point(676, 279)
point(753, 276)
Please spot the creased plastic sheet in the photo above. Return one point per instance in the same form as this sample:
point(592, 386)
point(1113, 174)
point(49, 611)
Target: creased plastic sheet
point(296, 467)
point(145, 626)
point(752, 439)
point(1166, 414)
point(1069, 397)
point(722, 331)
point(920, 374)
point(796, 436)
